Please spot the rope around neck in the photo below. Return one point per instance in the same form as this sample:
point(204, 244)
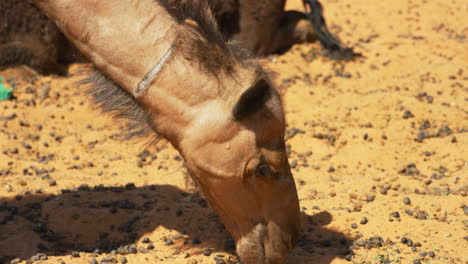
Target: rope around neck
point(152, 74)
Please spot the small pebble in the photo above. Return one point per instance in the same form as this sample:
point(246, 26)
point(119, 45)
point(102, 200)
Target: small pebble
point(177, 236)
point(207, 252)
point(354, 226)
point(431, 254)
point(417, 261)
point(220, 261)
point(349, 257)
point(423, 254)
point(150, 246)
point(75, 254)
point(409, 243)
point(123, 260)
point(408, 114)
point(406, 201)
point(93, 261)
point(364, 221)
point(396, 214)
point(52, 183)
point(146, 240)
point(132, 249)
point(142, 250)
point(168, 242)
point(383, 190)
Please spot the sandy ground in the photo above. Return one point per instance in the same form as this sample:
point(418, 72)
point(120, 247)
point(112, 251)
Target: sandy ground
point(379, 150)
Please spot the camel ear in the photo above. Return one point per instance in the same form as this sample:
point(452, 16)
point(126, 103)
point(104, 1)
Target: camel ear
point(252, 99)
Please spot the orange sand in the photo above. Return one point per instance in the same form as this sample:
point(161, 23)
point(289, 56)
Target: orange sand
point(352, 153)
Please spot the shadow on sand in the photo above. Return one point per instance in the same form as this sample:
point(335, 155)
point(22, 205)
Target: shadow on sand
point(108, 218)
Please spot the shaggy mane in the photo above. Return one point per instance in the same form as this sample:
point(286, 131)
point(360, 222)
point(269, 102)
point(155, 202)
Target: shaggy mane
point(203, 43)
point(111, 98)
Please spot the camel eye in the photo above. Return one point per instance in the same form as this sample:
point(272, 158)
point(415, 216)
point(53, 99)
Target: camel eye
point(264, 170)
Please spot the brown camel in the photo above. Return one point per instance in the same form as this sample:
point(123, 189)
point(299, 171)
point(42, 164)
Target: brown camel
point(171, 73)
point(263, 27)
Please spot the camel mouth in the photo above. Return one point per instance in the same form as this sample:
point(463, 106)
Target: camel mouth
point(265, 244)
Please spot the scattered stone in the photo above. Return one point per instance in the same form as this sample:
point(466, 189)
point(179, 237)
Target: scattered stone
point(409, 242)
point(383, 190)
point(410, 170)
point(364, 221)
point(177, 236)
point(220, 261)
point(142, 250)
point(408, 114)
point(406, 201)
point(396, 214)
point(52, 183)
point(132, 249)
point(207, 252)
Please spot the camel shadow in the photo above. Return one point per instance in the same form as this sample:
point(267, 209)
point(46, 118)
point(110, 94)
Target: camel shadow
point(106, 219)
point(318, 244)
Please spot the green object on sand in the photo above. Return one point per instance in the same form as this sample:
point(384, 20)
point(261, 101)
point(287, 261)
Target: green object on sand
point(5, 93)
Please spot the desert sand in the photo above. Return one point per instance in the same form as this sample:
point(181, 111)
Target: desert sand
point(379, 149)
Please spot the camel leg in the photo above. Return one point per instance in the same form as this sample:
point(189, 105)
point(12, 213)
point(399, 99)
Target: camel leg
point(294, 28)
point(315, 16)
point(30, 51)
point(328, 41)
